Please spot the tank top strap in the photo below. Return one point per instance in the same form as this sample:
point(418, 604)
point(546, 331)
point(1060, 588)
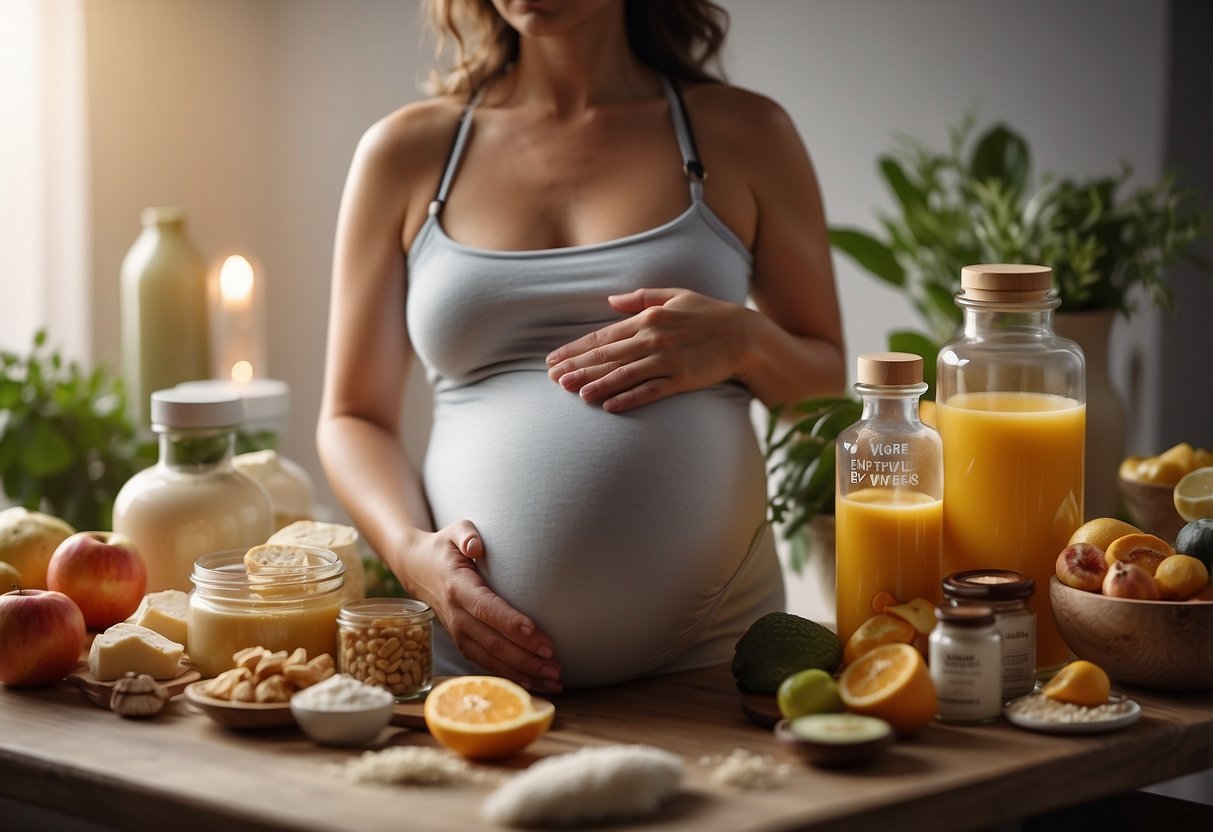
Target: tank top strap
point(691, 165)
point(462, 131)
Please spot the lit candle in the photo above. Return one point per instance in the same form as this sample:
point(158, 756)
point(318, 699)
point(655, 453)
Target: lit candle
point(238, 344)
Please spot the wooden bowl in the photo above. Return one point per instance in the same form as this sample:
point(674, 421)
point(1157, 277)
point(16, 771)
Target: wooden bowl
point(1151, 508)
point(1164, 645)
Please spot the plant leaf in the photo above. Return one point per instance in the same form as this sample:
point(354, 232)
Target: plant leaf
point(1002, 154)
point(905, 340)
point(869, 253)
point(47, 452)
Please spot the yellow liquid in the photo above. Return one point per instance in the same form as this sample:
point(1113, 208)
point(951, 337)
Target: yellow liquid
point(886, 539)
point(217, 632)
point(1013, 491)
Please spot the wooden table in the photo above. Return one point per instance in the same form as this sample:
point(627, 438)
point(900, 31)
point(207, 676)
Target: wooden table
point(183, 772)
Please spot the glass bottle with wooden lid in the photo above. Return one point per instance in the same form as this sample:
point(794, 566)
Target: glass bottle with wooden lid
point(192, 501)
point(1012, 414)
point(888, 493)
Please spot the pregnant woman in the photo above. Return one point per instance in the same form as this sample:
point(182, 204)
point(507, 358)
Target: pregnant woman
point(567, 235)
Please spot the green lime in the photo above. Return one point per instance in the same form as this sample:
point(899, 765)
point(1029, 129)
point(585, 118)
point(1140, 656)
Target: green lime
point(810, 691)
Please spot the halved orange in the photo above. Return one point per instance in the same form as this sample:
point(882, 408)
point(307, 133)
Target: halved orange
point(877, 630)
point(485, 717)
point(890, 682)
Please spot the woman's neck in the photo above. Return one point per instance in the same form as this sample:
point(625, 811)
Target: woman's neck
point(577, 70)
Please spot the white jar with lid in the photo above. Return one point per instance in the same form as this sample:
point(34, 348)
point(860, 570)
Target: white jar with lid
point(192, 501)
point(965, 659)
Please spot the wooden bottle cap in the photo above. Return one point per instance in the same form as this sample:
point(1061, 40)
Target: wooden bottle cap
point(889, 369)
point(1006, 282)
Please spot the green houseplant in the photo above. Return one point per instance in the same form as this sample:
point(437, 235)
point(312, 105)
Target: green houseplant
point(977, 202)
point(67, 443)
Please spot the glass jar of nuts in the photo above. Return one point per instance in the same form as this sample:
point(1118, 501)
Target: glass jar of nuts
point(388, 642)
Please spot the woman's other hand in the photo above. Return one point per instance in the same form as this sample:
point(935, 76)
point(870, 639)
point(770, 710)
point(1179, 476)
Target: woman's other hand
point(675, 340)
point(440, 570)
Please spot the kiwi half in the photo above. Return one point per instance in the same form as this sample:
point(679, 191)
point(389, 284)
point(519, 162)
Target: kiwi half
point(836, 740)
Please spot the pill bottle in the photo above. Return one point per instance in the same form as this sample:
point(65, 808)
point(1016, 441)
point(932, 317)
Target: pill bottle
point(1008, 592)
point(388, 642)
point(230, 610)
point(965, 659)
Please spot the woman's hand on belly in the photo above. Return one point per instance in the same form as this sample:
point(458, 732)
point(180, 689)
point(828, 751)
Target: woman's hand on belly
point(486, 629)
point(675, 340)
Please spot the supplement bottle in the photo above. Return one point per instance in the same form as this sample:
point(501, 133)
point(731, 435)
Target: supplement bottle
point(965, 658)
point(888, 508)
point(1012, 414)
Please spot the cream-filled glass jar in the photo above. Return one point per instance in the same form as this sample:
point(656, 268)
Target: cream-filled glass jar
point(230, 610)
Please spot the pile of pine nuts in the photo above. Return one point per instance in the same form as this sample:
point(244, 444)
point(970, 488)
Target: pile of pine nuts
point(383, 653)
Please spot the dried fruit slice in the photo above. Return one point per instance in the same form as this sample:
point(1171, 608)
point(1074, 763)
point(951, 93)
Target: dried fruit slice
point(485, 717)
point(1080, 683)
point(892, 683)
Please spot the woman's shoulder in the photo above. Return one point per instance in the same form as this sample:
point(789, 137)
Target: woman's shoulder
point(749, 125)
point(723, 105)
point(414, 132)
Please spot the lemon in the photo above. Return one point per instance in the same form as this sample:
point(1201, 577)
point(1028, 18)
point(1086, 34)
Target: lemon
point(810, 691)
point(1193, 494)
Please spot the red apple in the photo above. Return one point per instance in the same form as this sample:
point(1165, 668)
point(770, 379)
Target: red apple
point(102, 572)
point(41, 636)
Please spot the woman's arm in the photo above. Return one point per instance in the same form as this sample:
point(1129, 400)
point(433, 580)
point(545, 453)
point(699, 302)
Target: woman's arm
point(358, 434)
point(676, 340)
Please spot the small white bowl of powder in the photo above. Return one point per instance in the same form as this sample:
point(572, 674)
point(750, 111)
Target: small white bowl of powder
point(342, 710)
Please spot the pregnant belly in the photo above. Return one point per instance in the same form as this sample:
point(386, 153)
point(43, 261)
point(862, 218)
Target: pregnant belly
point(617, 533)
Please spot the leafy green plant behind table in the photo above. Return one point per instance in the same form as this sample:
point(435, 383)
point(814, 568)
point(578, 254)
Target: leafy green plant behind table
point(975, 203)
point(67, 443)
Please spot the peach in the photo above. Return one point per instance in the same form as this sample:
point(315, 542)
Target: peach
point(1145, 550)
point(1128, 580)
point(1082, 566)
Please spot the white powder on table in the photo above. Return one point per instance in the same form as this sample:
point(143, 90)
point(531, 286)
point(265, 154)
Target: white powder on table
point(1050, 710)
point(342, 692)
point(747, 771)
point(412, 765)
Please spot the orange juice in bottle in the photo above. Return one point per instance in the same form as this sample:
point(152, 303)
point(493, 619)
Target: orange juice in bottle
point(1012, 414)
point(888, 496)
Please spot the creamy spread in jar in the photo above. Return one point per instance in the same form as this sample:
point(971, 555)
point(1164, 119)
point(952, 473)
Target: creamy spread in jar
point(230, 610)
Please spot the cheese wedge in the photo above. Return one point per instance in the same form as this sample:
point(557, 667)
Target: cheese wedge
point(165, 612)
point(130, 648)
point(342, 540)
point(275, 559)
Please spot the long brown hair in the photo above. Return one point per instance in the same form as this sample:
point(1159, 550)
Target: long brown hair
point(678, 38)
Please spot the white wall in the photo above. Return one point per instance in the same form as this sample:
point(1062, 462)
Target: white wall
point(247, 113)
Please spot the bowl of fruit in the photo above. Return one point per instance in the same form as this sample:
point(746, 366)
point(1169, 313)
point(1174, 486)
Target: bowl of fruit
point(1149, 486)
point(1138, 606)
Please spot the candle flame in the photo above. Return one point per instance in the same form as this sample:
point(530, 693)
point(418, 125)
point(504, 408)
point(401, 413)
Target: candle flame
point(242, 372)
point(236, 278)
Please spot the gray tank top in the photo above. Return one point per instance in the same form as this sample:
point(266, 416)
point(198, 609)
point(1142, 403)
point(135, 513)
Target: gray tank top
point(635, 540)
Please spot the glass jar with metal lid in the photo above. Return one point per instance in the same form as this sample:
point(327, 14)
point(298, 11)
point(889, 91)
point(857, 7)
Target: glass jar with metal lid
point(388, 642)
point(1008, 593)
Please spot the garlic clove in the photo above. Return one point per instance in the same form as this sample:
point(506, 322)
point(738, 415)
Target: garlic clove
point(137, 696)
